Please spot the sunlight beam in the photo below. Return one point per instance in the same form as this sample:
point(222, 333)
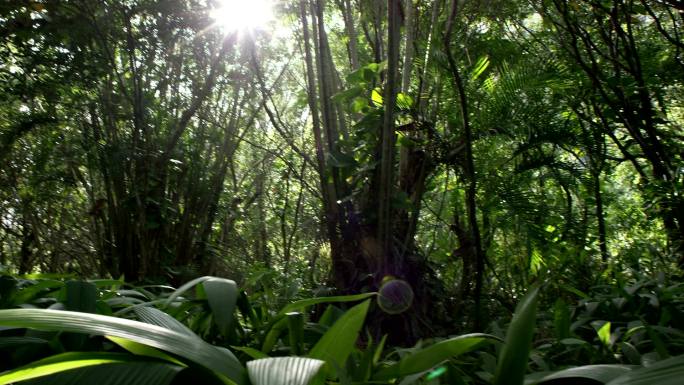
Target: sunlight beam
point(240, 15)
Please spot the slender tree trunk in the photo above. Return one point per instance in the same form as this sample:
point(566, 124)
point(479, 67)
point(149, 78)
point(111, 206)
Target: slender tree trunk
point(470, 169)
point(600, 218)
point(353, 45)
point(408, 46)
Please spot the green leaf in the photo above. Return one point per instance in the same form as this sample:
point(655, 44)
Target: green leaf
point(273, 334)
point(358, 105)
point(222, 296)
point(157, 317)
point(433, 355)
point(536, 262)
point(379, 349)
point(480, 67)
point(187, 286)
point(665, 372)
point(11, 342)
point(516, 350)
point(254, 353)
point(183, 345)
point(284, 370)
point(27, 294)
point(127, 373)
point(143, 350)
point(600, 373)
point(339, 341)
point(60, 363)
point(604, 334)
point(404, 101)
point(376, 97)
point(81, 296)
point(347, 95)
point(300, 305)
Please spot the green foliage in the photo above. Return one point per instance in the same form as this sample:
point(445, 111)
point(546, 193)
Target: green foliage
point(137, 140)
point(171, 351)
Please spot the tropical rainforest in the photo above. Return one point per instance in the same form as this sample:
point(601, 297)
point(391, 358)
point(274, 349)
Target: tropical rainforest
point(295, 192)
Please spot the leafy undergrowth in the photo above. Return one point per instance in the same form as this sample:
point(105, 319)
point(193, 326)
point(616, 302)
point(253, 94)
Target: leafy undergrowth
point(54, 330)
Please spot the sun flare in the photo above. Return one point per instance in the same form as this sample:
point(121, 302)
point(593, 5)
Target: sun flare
point(236, 15)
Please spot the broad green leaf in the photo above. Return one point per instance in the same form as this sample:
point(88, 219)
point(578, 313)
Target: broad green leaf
point(339, 341)
point(183, 345)
point(254, 353)
point(157, 317)
point(143, 350)
point(81, 296)
point(60, 363)
point(284, 370)
point(600, 373)
point(512, 362)
point(665, 372)
point(187, 286)
point(222, 296)
point(127, 373)
point(27, 294)
point(300, 305)
point(427, 358)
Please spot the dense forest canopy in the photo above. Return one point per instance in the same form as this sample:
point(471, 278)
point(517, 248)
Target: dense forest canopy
point(464, 151)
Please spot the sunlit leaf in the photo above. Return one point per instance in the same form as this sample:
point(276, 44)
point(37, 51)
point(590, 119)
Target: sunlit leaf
point(60, 363)
point(183, 345)
point(284, 370)
point(376, 97)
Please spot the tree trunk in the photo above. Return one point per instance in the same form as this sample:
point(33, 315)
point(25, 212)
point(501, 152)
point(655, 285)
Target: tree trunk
point(471, 191)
